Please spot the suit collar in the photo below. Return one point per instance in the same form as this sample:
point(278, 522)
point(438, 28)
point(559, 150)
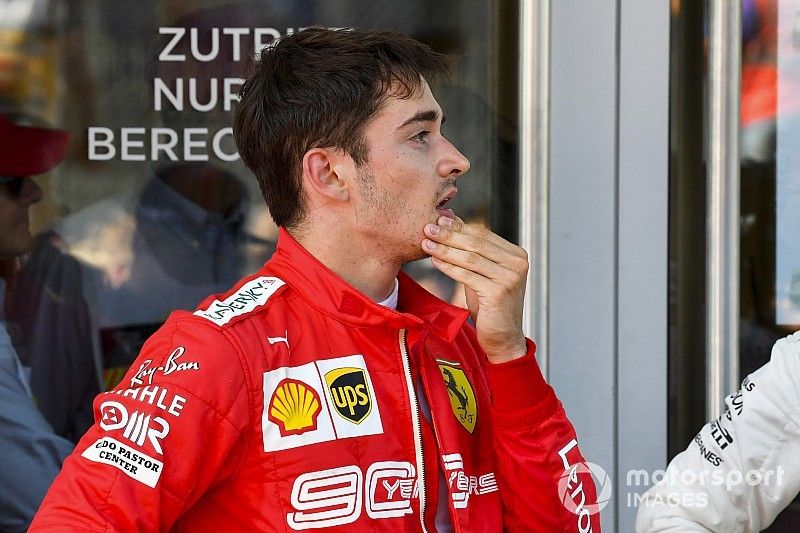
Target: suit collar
point(331, 295)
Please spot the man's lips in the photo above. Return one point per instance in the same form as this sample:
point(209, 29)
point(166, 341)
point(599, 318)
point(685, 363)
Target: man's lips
point(446, 213)
point(449, 195)
point(440, 207)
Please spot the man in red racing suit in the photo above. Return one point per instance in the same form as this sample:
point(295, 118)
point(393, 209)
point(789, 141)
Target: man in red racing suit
point(289, 403)
point(296, 401)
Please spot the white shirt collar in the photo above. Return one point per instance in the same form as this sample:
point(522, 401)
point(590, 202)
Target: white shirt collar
point(391, 300)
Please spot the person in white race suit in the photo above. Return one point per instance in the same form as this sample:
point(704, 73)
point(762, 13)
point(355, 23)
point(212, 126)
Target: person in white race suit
point(743, 468)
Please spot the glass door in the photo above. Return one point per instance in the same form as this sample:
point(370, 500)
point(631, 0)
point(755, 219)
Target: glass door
point(767, 285)
point(152, 210)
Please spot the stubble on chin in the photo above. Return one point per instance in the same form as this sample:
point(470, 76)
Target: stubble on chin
point(417, 255)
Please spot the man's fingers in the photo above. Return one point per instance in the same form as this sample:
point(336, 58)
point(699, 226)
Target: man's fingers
point(467, 242)
point(469, 278)
point(469, 260)
point(485, 271)
point(481, 232)
point(479, 241)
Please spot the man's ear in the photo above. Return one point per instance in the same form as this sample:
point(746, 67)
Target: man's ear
point(320, 173)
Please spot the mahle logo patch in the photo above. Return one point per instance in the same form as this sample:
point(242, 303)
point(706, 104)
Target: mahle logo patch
point(350, 393)
point(462, 397)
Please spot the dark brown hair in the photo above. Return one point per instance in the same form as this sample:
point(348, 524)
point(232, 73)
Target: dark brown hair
point(319, 88)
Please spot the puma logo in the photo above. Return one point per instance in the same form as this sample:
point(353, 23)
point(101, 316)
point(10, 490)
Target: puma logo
point(276, 340)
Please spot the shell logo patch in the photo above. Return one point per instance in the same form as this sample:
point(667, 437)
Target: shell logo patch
point(320, 401)
point(350, 393)
point(294, 407)
point(459, 390)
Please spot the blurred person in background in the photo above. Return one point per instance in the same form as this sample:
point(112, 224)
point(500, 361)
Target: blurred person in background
point(30, 453)
point(115, 269)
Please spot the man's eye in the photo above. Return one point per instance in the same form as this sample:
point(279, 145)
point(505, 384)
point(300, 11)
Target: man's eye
point(421, 136)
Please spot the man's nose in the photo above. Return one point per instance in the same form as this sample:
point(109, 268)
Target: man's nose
point(454, 163)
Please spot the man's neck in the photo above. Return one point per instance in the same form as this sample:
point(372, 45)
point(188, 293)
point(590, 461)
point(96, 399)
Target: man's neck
point(353, 261)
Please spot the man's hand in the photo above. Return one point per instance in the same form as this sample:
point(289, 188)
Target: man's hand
point(494, 272)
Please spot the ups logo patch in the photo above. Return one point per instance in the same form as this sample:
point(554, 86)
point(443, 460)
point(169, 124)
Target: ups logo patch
point(462, 397)
point(350, 393)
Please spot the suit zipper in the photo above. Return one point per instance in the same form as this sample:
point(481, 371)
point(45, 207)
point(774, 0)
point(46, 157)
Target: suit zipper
point(440, 461)
point(412, 395)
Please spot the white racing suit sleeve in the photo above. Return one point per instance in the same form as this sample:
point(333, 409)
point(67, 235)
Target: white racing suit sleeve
point(743, 468)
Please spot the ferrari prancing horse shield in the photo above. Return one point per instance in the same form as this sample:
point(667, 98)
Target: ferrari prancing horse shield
point(462, 397)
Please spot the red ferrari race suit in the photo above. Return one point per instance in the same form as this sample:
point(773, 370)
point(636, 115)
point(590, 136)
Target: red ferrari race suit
point(289, 403)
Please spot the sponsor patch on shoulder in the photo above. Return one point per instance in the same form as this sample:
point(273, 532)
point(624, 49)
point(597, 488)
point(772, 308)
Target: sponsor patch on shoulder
point(133, 463)
point(250, 296)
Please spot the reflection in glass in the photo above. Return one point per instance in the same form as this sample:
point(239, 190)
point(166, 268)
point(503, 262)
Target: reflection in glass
point(152, 211)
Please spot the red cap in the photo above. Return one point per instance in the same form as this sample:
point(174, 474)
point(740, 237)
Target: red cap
point(27, 150)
